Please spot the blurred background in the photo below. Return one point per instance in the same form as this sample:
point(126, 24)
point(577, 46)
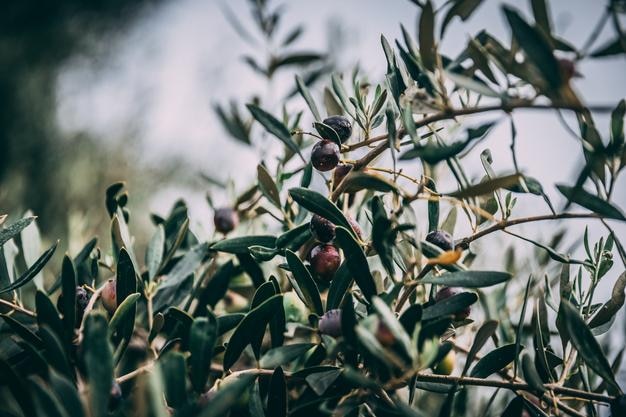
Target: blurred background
point(93, 92)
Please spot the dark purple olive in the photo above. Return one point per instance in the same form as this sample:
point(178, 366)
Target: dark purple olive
point(568, 69)
point(323, 229)
point(384, 335)
point(341, 125)
point(325, 155)
point(82, 300)
point(225, 220)
point(447, 292)
point(440, 238)
point(330, 323)
point(325, 261)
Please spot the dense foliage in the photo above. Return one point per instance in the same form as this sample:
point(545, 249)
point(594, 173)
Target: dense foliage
point(336, 297)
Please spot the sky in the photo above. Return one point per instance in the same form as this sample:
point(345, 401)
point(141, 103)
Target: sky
point(158, 80)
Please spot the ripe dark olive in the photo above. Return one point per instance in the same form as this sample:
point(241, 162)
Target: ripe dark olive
point(340, 172)
point(325, 155)
point(384, 335)
point(323, 230)
point(82, 299)
point(440, 238)
point(330, 323)
point(447, 292)
point(225, 219)
point(341, 125)
point(568, 69)
point(115, 396)
point(325, 261)
point(109, 295)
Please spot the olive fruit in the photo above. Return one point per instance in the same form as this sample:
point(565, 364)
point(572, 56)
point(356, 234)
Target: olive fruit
point(446, 365)
point(82, 300)
point(325, 261)
point(447, 292)
point(325, 155)
point(341, 125)
point(295, 310)
point(323, 229)
point(109, 295)
point(330, 323)
point(340, 172)
point(568, 69)
point(441, 239)
point(225, 220)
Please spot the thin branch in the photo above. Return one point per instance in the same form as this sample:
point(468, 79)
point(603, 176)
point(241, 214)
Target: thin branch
point(17, 308)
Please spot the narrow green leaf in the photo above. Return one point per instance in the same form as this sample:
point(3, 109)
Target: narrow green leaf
point(356, 261)
point(358, 180)
point(243, 243)
point(68, 277)
point(427, 36)
point(202, 338)
point(608, 311)
point(282, 355)
point(186, 266)
point(468, 279)
point(486, 187)
point(340, 284)
point(586, 344)
point(155, 252)
point(449, 306)
point(9, 232)
point(277, 395)
point(327, 132)
point(174, 371)
point(255, 319)
point(275, 127)
point(306, 95)
point(494, 361)
point(318, 204)
point(267, 185)
point(99, 363)
point(124, 312)
point(484, 333)
point(32, 271)
point(591, 202)
point(227, 396)
point(303, 283)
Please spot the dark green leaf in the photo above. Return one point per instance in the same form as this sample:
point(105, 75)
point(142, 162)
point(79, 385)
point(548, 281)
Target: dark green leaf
point(614, 47)
point(321, 381)
point(124, 313)
point(536, 46)
point(32, 272)
point(243, 243)
point(356, 261)
point(275, 127)
point(461, 8)
point(174, 370)
point(531, 375)
point(68, 277)
point(468, 279)
point(53, 351)
point(99, 363)
point(303, 283)
point(47, 315)
point(587, 345)
point(155, 251)
point(318, 204)
point(202, 337)
point(126, 285)
point(427, 36)
point(449, 306)
point(591, 202)
point(187, 265)
point(359, 180)
point(267, 185)
point(228, 396)
point(487, 186)
point(22, 331)
point(484, 333)
point(617, 124)
point(542, 16)
point(7, 233)
point(306, 95)
point(340, 284)
point(327, 132)
point(282, 355)
point(608, 311)
point(494, 361)
point(277, 395)
point(255, 319)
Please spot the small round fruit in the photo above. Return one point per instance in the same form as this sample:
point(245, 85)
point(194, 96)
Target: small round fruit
point(568, 69)
point(325, 261)
point(323, 229)
point(446, 366)
point(295, 310)
point(330, 323)
point(441, 239)
point(82, 300)
point(109, 295)
point(225, 220)
point(384, 335)
point(340, 172)
point(341, 125)
point(356, 227)
point(325, 155)
point(447, 292)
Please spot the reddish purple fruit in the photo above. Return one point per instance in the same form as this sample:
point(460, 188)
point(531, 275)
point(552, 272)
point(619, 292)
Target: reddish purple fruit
point(225, 220)
point(324, 230)
point(330, 323)
point(325, 155)
point(341, 125)
point(440, 238)
point(82, 300)
point(568, 69)
point(325, 261)
point(384, 335)
point(447, 292)
point(109, 295)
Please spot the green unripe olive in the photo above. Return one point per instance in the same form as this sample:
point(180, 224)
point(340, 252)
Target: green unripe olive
point(446, 365)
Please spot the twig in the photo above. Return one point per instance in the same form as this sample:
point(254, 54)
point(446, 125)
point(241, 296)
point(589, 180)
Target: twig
point(17, 308)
